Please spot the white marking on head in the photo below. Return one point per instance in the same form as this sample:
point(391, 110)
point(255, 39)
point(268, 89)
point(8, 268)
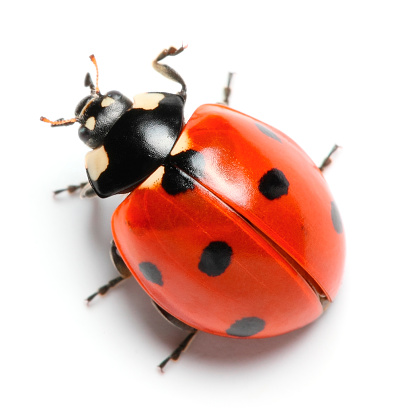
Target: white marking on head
point(147, 101)
point(182, 144)
point(97, 162)
point(107, 101)
point(86, 106)
point(90, 123)
point(154, 180)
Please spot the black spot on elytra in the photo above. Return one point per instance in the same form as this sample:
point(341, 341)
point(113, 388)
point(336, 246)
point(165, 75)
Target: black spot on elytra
point(273, 184)
point(246, 327)
point(151, 272)
point(267, 131)
point(215, 258)
point(336, 219)
point(180, 171)
point(174, 181)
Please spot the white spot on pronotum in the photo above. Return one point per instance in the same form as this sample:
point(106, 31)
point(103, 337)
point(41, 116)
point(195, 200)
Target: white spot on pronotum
point(147, 101)
point(182, 144)
point(107, 101)
point(154, 180)
point(96, 162)
point(90, 123)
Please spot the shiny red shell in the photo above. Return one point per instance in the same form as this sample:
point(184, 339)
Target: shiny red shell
point(284, 252)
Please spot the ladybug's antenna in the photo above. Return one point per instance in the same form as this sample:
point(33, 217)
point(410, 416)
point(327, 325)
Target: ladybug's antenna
point(88, 83)
point(59, 122)
point(95, 89)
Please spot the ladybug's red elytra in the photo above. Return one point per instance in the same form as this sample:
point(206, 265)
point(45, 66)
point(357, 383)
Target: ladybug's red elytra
point(228, 225)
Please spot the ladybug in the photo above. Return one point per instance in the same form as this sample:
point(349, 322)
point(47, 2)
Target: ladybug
point(228, 225)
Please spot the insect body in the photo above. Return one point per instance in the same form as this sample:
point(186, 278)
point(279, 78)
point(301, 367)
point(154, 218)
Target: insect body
point(229, 226)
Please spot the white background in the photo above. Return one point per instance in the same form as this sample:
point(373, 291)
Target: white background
point(323, 72)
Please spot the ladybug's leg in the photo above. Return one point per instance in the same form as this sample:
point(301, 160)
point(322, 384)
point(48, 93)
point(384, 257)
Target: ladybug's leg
point(174, 321)
point(328, 159)
point(227, 90)
point(121, 268)
point(70, 189)
point(179, 350)
point(169, 72)
point(86, 190)
point(184, 344)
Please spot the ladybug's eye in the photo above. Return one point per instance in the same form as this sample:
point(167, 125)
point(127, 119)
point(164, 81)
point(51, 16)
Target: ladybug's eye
point(115, 95)
point(84, 133)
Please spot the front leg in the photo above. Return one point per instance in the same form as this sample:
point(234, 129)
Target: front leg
point(169, 72)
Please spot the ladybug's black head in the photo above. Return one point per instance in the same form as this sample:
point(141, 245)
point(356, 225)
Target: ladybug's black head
point(129, 140)
point(96, 113)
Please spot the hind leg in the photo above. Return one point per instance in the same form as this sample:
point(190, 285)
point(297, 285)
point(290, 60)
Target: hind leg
point(328, 160)
point(124, 273)
point(178, 351)
point(227, 90)
point(184, 344)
